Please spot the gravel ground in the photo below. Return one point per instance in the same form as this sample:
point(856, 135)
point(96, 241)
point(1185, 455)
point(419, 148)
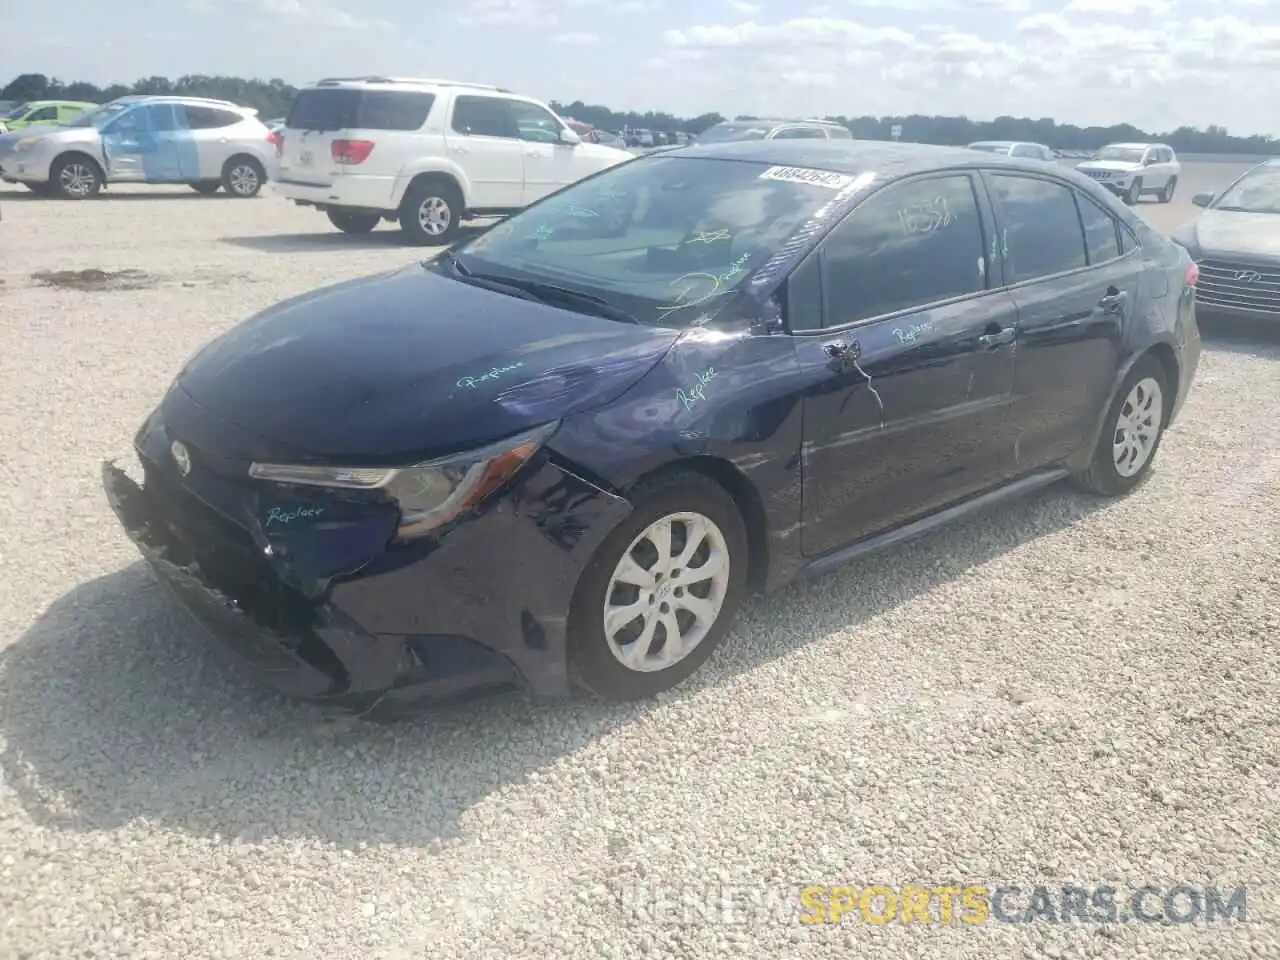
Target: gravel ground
point(1069, 691)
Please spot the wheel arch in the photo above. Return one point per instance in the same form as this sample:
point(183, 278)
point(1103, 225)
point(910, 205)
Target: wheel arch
point(745, 497)
point(438, 170)
point(81, 155)
point(1164, 354)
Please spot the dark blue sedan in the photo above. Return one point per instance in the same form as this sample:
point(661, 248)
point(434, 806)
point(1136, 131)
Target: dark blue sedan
point(564, 452)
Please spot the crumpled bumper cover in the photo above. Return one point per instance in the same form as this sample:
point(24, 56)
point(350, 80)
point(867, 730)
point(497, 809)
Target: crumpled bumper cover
point(309, 649)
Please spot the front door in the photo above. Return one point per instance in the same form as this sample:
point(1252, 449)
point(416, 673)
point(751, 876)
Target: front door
point(908, 357)
point(548, 163)
point(1075, 291)
point(484, 140)
point(137, 152)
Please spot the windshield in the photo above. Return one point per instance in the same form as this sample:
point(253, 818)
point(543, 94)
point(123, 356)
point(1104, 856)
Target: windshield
point(724, 132)
point(100, 116)
point(990, 147)
point(1255, 192)
point(664, 239)
point(15, 113)
point(1122, 154)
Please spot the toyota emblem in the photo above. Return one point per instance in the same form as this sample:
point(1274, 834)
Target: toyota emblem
point(181, 457)
point(1248, 276)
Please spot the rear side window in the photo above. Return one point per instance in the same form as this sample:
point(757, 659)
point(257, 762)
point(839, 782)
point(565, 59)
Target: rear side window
point(1041, 227)
point(909, 245)
point(1101, 236)
point(209, 118)
point(484, 117)
point(348, 109)
point(840, 133)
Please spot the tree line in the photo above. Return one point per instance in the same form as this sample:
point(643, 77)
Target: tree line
point(272, 99)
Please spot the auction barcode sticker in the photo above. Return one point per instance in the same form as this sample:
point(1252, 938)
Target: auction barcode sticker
point(818, 178)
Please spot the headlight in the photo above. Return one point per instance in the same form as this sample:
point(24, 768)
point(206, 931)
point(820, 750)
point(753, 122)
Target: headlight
point(429, 494)
point(29, 144)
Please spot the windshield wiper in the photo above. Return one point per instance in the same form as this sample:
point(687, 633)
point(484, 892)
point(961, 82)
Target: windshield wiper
point(541, 291)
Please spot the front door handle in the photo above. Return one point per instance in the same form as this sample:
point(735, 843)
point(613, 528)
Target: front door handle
point(997, 338)
point(459, 149)
point(533, 153)
point(1114, 301)
point(842, 353)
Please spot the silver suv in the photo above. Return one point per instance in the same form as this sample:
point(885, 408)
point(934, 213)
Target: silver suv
point(774, 130)
point(207, 144)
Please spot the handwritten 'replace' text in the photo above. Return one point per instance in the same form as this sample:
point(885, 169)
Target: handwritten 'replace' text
point(698, 391)
point(282, 516)
point(471, 383)
point(912, 333)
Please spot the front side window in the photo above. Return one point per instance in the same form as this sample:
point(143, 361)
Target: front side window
point(103, 115)
point(1040, 225)
point(909, 245)
point(727, 132)
point(665, 239)
point(160, 116)
point(535, 123)
point(130, 121)
point(43, 114)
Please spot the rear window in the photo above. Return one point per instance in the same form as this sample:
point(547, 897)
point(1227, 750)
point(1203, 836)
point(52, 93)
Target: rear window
point(348, 109)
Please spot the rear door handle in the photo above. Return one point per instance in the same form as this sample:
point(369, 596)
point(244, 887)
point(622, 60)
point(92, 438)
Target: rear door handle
point(458, 149)
point(1114, 301)
point(533, 153)
point(998, 338)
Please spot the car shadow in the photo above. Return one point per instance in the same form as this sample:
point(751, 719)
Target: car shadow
point(1253, 337)
point(380, 239)
point(107, 195)
point(116, 707)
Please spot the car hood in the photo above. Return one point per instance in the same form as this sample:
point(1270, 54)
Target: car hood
point(409, 365)
point(1227, 233)
point(62, 135)
point(1116, 166)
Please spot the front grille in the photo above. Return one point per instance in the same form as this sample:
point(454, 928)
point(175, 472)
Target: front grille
point(1240, 285)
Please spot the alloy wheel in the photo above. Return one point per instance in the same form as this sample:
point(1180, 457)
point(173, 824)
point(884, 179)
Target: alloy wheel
point(243, 180)
point(666, 592)
point(77, 179)
point(1138, 427)
point(434, 216)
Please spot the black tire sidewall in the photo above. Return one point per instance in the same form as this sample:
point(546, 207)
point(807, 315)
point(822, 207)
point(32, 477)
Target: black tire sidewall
point(419, 193)
point(1169, 188)
point(238, 161)
point(1134, 193)
point(353, 222)
point(1104, 467)
point(206, 188)
point(592, 665)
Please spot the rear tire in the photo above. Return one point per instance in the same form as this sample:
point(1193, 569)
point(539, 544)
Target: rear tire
point(349, 222)
point(1166, 195)
point(1131, 433)
point(75, 177)
point(431, 212)
point(243, 177)
point(713, 580)
point(206, 188)
point(1134, 193)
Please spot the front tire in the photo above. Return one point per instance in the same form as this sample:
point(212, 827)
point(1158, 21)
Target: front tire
point(243, 177)
point(431, 213)
point(349, 222)
point(1166, 195)
point(661, 592)
point(39, 189)
point(1131, 433)
point(75, 177)
point(1134, 193)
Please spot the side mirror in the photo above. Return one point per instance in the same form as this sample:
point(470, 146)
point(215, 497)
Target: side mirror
point(1202, 199)
point(568, 136)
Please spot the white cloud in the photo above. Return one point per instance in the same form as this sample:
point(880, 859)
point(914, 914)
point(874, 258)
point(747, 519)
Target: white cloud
point(745, 8)
point(310, 14)
point(1120, 8)
point(577, 39)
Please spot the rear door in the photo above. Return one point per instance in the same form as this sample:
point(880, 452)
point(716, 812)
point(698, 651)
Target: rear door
point(484, 140)
point(1075, 288)
point(171, 154)
point(909, 353)
point(208, 144)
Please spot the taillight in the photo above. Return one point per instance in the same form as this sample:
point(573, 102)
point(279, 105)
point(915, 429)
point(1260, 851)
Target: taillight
point(351, 151)
point(1193, 275)
point(276, 140)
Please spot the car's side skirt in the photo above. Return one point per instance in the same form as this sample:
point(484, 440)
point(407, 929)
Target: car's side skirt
point(917, 528)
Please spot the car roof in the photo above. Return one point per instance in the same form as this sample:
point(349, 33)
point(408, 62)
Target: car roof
point(1135, 146)
point(851, 156)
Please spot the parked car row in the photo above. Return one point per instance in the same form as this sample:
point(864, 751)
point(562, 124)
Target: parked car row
point(33, 112)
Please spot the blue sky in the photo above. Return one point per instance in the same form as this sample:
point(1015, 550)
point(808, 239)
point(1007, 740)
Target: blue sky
point(1157, 63)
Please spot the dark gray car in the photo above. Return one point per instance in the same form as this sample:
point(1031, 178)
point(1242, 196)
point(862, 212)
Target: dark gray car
point(1236, 243)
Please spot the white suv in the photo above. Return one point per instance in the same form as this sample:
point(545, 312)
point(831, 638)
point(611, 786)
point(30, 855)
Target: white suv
point(427, 153)
point(1130, 170)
